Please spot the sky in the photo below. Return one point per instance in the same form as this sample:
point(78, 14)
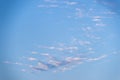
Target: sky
point(59, 40)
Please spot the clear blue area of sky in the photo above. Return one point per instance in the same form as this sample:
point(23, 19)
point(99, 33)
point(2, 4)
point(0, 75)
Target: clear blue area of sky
point(24, 26)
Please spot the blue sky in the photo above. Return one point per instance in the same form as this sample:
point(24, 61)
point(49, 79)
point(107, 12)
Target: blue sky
point(59, 39)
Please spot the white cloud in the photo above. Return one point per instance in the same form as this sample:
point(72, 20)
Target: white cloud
point(97, 19)
point(72, 59)
point(32, 59)
point(61, 48)
point(48, 47)
point(70, 3)
point(93, 36)
point(34, 52)
point(109, 13)
point(97, 58)
point(54, 62)
point(42, 6)
point(41, 66)
point(84, 43)
point(100, 24)
point(48, 56)
point(49, 6)
point(17, 63)
point(23, 70)
point(87, 29)
point(79, 12)
point(72, 48)
point(51, 1)
point(53, 5)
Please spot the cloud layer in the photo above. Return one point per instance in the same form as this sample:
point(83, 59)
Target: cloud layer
point(80, 49)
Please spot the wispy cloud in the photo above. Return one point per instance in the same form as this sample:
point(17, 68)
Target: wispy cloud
point(79, 13)
point(23, 70)
point(15, 63)
point(65, 55)
point(51, 1)
point(70, 3)
point(97, 58)
point(97, 18)
point(63, 48)
point(32, 59)
point(49, 6)
point(62, 65)
point(34, 52)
